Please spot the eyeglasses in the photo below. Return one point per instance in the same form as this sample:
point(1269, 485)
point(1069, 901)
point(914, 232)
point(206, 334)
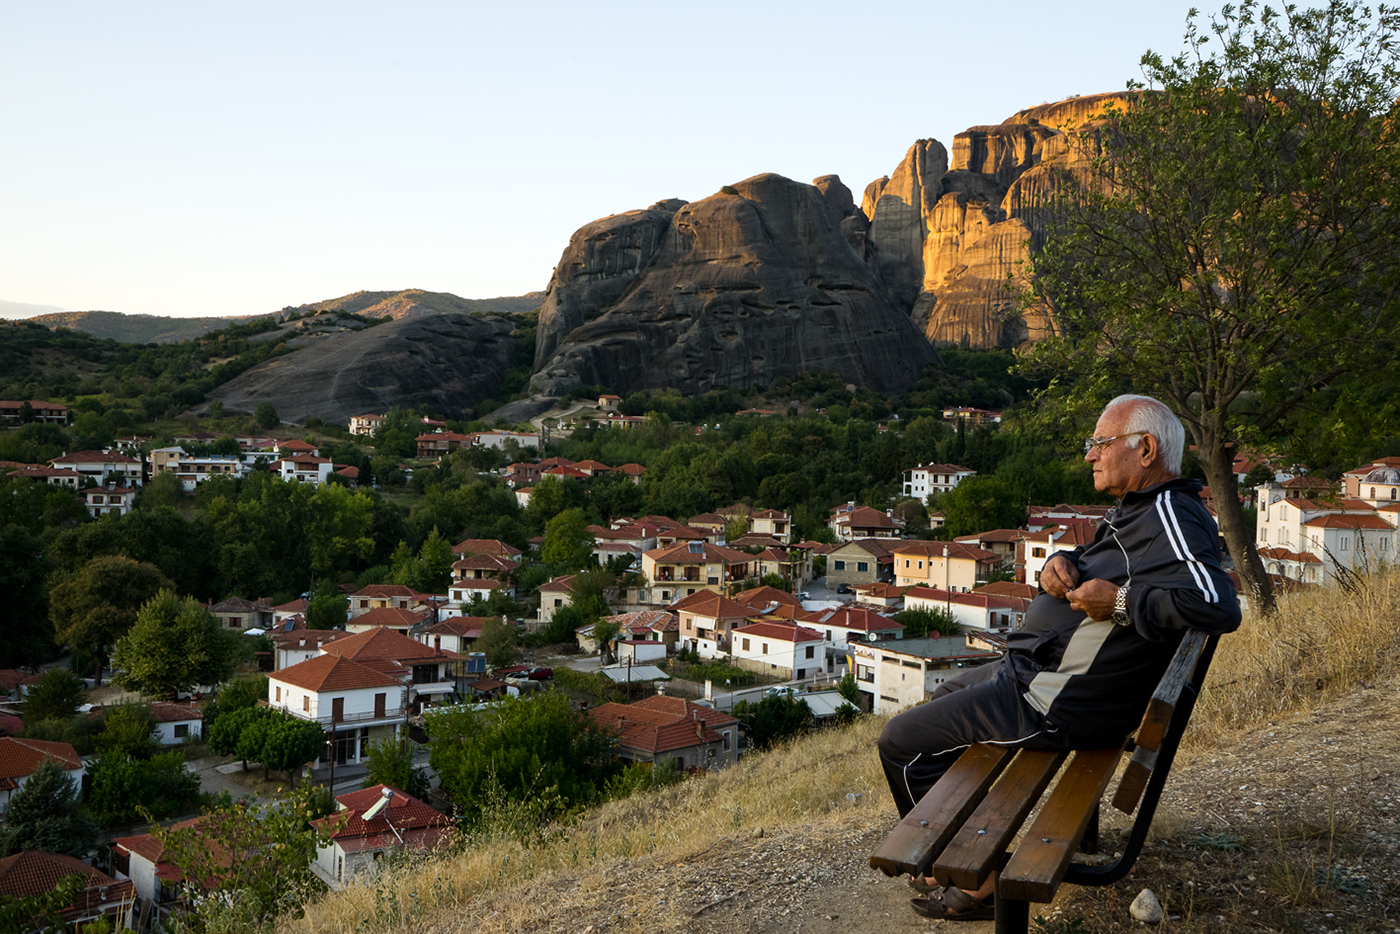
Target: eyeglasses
point(1097, 444)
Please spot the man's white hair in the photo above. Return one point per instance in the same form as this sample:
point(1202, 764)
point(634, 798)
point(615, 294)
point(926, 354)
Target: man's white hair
point(1154, 418)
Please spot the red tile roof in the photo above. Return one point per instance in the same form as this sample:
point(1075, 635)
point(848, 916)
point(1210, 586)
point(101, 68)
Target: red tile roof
point(382, 591)
point(333, 673)
point(385, 644)
point(662, 723)
point(784, 632)
point(392, 616)
point(20, 757)
point(709, 604)
point(486, 546)
point(35, 873)
point(418, 826)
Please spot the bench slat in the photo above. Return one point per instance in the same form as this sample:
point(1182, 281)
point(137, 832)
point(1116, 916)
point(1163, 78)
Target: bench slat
point(1134, 780)
point(927, 828)
point(1039, 863)
point(976, 849)
point(1164, 700)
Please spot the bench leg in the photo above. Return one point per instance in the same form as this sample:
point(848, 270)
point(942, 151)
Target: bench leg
point(1089, 843)
point(1013, 917)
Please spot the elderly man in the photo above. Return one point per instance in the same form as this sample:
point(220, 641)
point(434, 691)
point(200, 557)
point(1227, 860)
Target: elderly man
point(1096, 640)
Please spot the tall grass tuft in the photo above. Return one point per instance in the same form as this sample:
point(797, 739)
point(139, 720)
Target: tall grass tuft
point(1319, 645)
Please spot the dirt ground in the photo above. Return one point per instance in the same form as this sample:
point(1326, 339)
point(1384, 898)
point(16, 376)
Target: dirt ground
point(1294, 827)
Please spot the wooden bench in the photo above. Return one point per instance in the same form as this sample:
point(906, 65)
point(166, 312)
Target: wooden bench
point(963, 829)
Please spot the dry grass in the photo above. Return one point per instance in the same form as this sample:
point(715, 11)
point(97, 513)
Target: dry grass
point(795, 784)
point(1318, 646)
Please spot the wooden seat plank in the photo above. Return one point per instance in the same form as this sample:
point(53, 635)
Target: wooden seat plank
point(931, 824)
point(1039, 862)
point(976, 849)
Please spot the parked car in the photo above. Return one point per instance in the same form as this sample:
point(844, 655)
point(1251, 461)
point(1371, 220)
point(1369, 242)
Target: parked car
point(803, 595)
point(781, 690)
point(845, 588)
point(530, 674)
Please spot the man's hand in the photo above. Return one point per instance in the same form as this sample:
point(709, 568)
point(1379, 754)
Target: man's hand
point(1094, 598)
point(1059, 576)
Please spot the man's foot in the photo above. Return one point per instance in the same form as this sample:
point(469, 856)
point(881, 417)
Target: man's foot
point(953, 904)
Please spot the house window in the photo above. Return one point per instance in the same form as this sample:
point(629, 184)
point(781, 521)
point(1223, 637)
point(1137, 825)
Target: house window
point(862, 566)
point(746, 645)
point(379, 705)
point(235, 622)
point(811, 651)
point(765, 648)
point(558, 602)
point(840, 565)
point(1037, 552)
point(277, 696)
point(906, 562)
point(665, 595)
point(1344, 544)
point(1373, 494)
point(364, 604)
point(182, 730)
point(865, 673)
point(337, 709)
point(712, 580)
point(306, 703)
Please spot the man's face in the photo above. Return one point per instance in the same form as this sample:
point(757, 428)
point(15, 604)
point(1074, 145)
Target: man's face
point(1118, 469)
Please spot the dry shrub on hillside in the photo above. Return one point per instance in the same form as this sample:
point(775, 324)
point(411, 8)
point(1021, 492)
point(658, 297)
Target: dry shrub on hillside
point(1320, 644)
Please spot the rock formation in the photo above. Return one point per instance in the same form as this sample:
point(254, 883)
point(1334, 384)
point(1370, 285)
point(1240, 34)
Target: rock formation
point(967, 234)
point(450, 361)
point(752, 284)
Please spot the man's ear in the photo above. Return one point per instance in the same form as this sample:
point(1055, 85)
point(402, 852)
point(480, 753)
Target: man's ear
point(1149, 449)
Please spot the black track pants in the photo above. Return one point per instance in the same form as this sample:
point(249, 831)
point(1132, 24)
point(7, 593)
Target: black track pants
point(979, 705)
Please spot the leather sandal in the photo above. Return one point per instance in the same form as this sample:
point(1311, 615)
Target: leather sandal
point(951, 903)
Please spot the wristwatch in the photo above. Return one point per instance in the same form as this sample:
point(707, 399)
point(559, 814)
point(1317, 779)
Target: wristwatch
point(1120, 607)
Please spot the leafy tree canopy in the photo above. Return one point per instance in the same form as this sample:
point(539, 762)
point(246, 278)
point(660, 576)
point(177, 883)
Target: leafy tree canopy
point(95, 607)
point(1229, 241)
point(45, 815)
point(175, 645)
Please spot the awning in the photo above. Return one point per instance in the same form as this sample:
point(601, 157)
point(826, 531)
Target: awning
point(437, 687)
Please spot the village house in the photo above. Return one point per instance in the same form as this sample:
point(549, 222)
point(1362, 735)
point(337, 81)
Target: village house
point(141, 859)
point(629, 540)
point(377, 596)
point(192, 470)
point(53, 476)
point(1000, 542)
point(706, 621)
point(1036, 548)
point(975, 418)
point(609, 402)
point(102, 467)
point(100, 897)
point(925, 480)
point(977, 610)
point(17, 412)
point(500, 439)
point(897, 675)
point(370, 824)
point(463, 592)
point(238, 613)
point(555, 595)
point(686, 568)
point(776, 647)
point(176, 723)
point(437, 443)
point(365, 425)
point(109, 500)
point(950, 564)
point(880, 594)
point(393, 618)
point(298, 645)
point(661, 729)
point(20, 758)
point(658, 627)
point(846, 624)
point(304, 468)
point(863, 561)
point(851, 522)
point(488, 546)
point(364, 703)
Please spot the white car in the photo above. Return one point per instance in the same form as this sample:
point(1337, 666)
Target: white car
point(781, 690)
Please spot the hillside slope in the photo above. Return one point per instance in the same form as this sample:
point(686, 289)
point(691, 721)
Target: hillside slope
point(136, 329)
point(1291, 827)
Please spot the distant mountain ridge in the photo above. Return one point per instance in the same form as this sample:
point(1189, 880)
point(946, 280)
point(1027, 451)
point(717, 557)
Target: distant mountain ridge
point(408, 302)
point(158, 329)
point(137, 329)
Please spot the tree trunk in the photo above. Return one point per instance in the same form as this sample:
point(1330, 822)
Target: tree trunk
point(1239, 539)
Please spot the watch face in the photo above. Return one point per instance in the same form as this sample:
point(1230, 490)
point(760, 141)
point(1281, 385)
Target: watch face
point(1120, 617)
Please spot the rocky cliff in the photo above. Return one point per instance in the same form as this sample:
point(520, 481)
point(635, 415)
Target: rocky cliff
point(965, 234)
point(450, 361)
point(754, 283)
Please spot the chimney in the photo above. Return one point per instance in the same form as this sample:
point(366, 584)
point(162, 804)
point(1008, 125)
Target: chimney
point(699, 728)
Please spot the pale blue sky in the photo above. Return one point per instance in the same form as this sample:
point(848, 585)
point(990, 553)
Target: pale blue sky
point(207, 158)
